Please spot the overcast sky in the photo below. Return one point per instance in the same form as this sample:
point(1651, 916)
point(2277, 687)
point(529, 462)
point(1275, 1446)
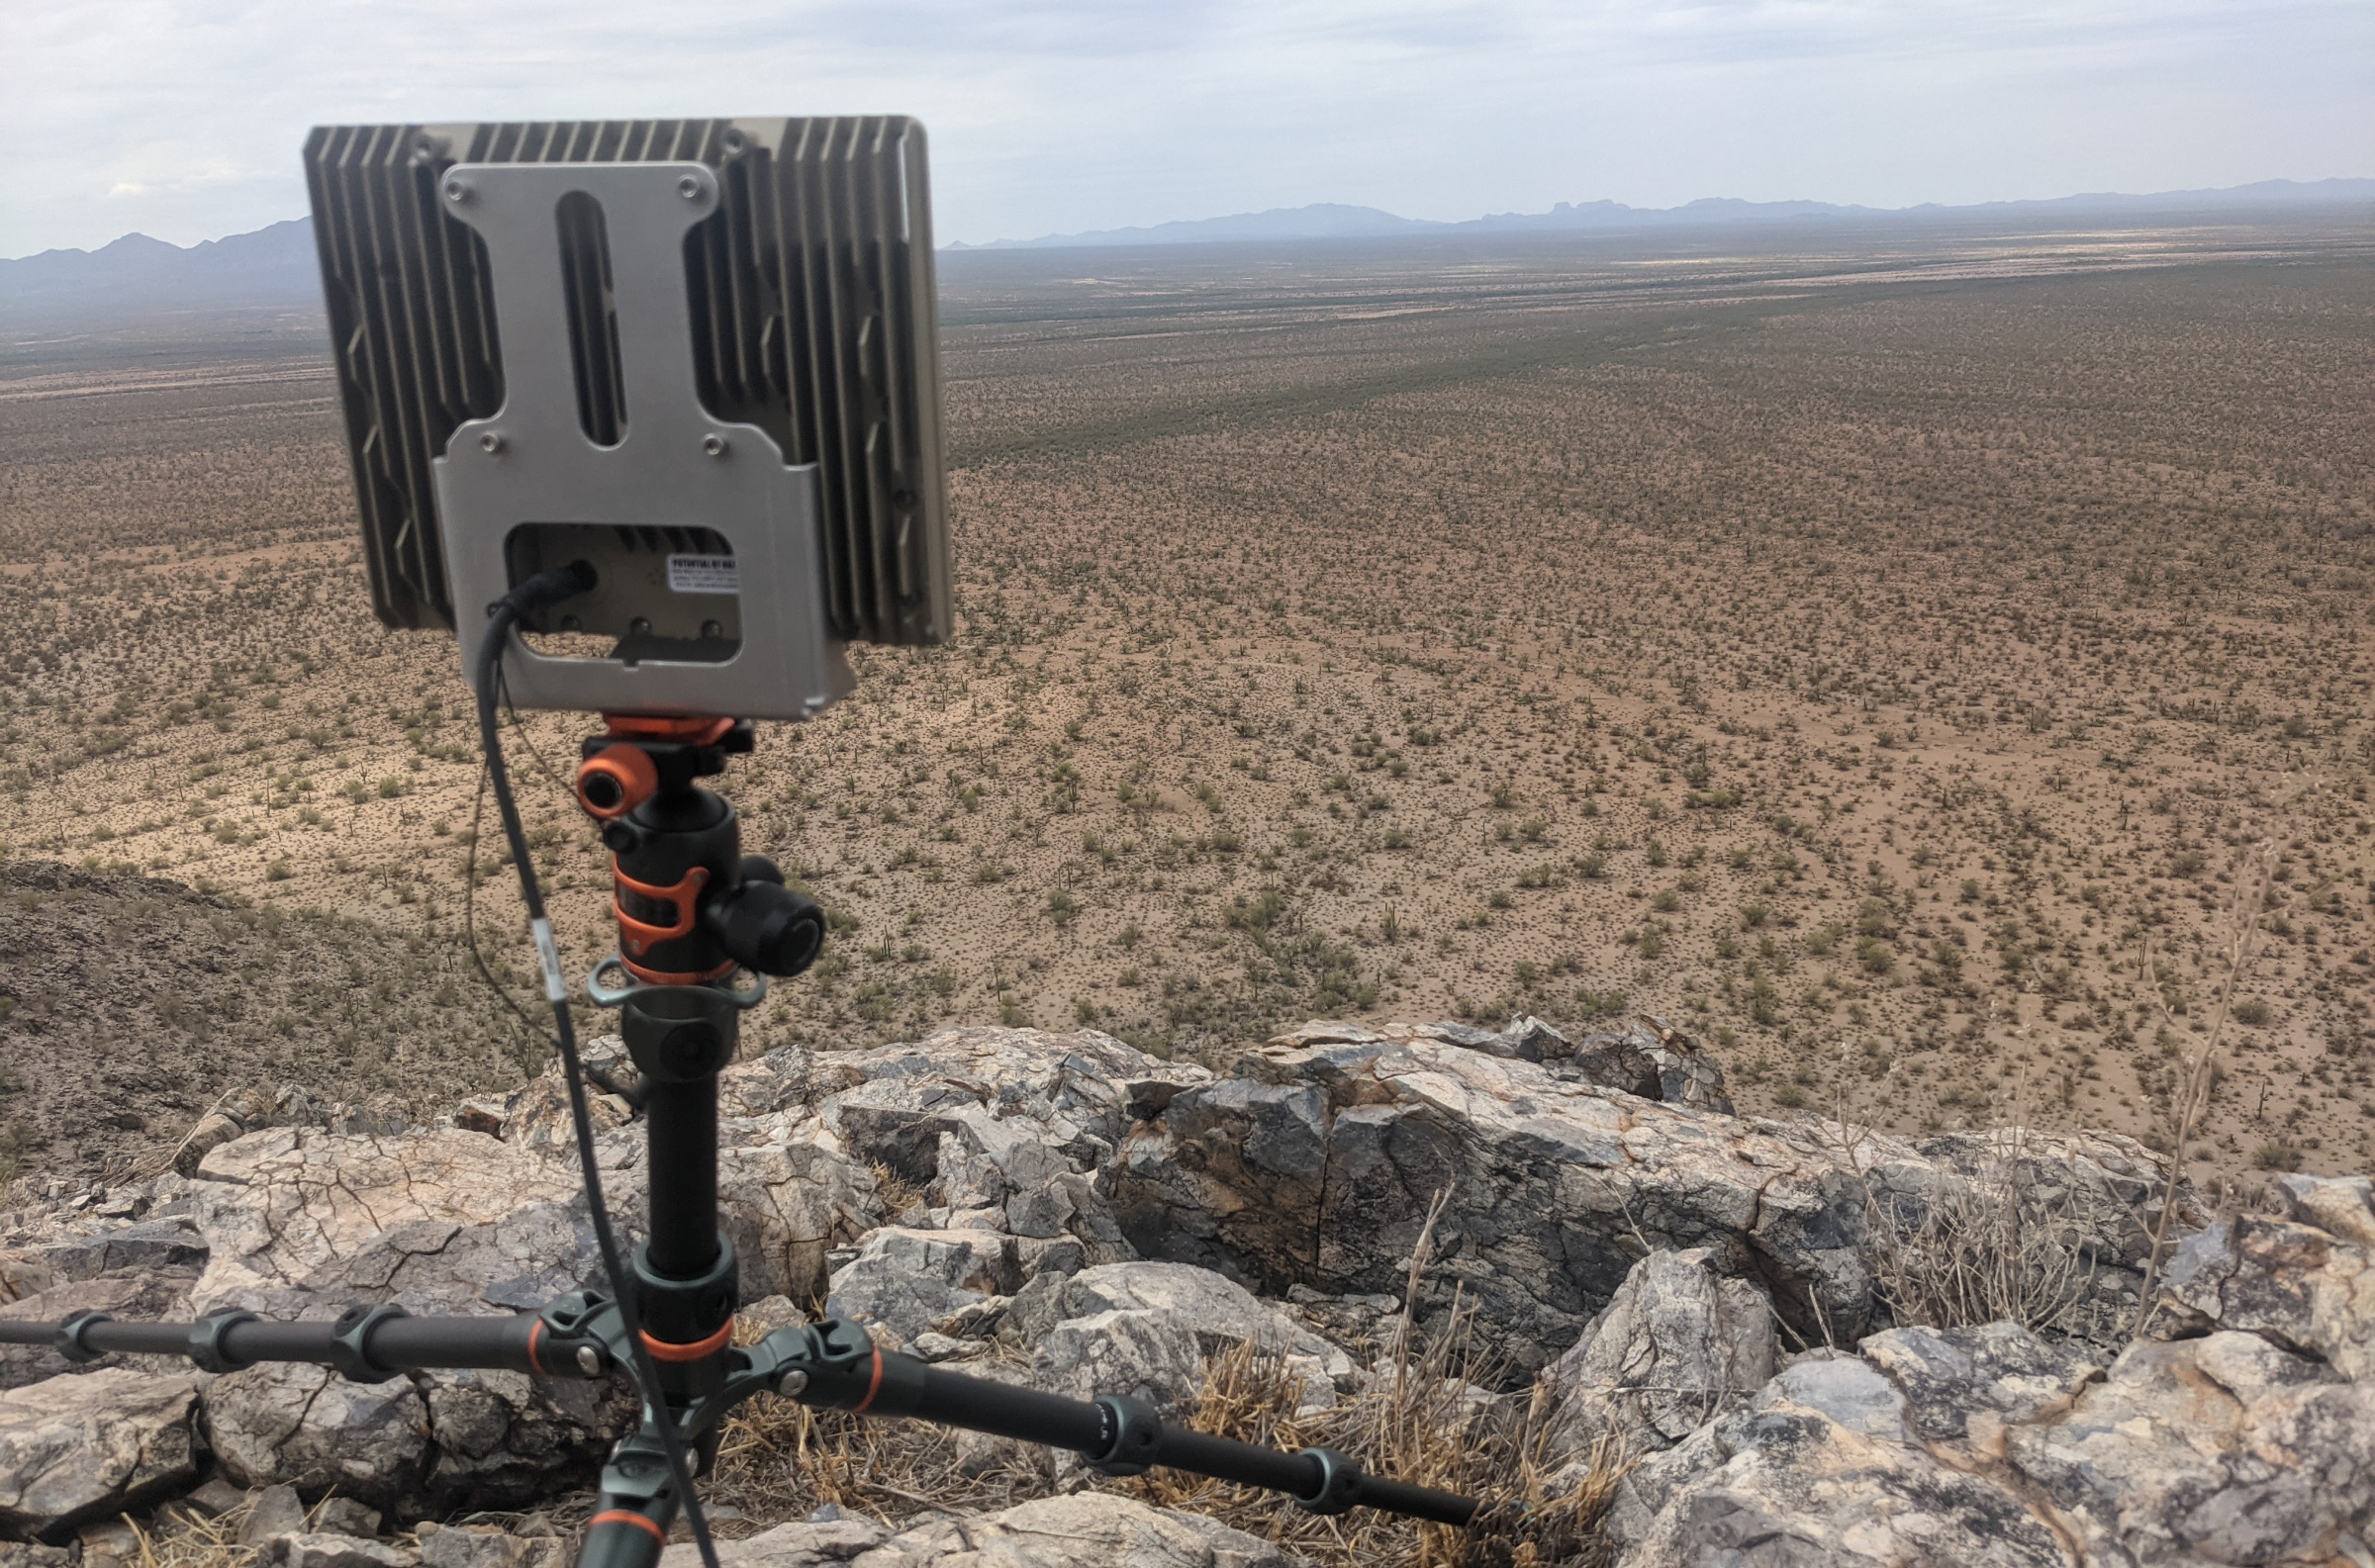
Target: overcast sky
point(183, 118)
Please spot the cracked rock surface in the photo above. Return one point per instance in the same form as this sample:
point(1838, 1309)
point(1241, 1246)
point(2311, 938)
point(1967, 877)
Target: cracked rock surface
point(134, 1293)
point(413, 1446)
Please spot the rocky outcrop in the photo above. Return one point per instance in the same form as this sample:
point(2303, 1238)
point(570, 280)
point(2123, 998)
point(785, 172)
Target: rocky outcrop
point(1676, 1346)
point(154, 1294)
point(1005, 1130)
point(1317, 1160)
point(1649, 1057)
point(2301, 1287)
point(1157, 1326)
point(1079, 1217)
point(434, 1220)
point(331, 1550)
point(906, 1283)
point(412, 1446)
point(2250, 1442)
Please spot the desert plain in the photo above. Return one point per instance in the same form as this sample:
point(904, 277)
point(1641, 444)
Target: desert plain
point(1918, 663)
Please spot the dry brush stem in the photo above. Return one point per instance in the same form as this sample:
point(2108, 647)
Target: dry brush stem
point(2241, 952)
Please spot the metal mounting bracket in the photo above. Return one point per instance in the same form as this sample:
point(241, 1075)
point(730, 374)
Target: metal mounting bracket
point(675, 465)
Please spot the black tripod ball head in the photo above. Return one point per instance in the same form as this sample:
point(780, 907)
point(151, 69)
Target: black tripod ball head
point(691, 906)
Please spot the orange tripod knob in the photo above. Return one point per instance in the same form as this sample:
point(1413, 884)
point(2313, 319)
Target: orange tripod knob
point(614, 780)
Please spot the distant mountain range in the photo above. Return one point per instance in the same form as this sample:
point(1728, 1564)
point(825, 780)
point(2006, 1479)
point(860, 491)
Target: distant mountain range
point(137, 277)
point(1330, 220)
point(268, 279)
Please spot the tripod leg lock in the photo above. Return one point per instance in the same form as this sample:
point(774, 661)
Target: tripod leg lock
point(207, 1346)
point(1339, 1487)
point(70, 1342)
point(1132, 1435)
point(350, 1342)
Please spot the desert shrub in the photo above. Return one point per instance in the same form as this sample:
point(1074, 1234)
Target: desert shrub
point(1591, 1005)
point(2000, 1245)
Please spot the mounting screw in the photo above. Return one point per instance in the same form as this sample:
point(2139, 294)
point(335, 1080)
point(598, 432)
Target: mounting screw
point(732, 140)
point(792, 1383)
point(457, 191)
point(688, 188)
point(589, 1361)
point(714, 445)
point(491, 443)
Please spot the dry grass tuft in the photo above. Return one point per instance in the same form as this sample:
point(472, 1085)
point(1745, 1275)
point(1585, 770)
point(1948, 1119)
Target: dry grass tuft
point(183, 1537)
point(779, 1460)
point(177, 1536)
point(2241, 953)
point(1422, 1419)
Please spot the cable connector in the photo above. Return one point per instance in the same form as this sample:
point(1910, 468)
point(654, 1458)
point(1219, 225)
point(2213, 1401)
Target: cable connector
point(547, 588)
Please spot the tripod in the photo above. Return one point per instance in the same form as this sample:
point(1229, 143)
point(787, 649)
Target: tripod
point(699, 927)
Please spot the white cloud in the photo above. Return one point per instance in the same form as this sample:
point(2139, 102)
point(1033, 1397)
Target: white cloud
point(183, 117)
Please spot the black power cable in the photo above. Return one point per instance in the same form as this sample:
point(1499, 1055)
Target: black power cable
point(551, 588)
point(502, 993)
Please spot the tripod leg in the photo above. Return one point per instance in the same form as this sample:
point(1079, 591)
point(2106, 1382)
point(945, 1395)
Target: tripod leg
point(636, 1507)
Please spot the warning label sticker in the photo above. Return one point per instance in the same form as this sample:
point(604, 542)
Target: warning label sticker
point(702, 574)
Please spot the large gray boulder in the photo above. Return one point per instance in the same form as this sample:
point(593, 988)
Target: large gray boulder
point(1317, 1164)
point(2294, 1284)
point(2222, 1449)
point(331, 1550)
point(1001, 1129)
point(1676, 1346)
point(488, 1546)
point(802, 1544)
point(445, 1218)
point(1082, 1530)
point(414, 1445)
point(906, 1283)
point(77, 1448)
point(174, 1241)
point(432, 1220)
point(1648, 1058)
point(1989, 1376)
point(1792, 1486)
